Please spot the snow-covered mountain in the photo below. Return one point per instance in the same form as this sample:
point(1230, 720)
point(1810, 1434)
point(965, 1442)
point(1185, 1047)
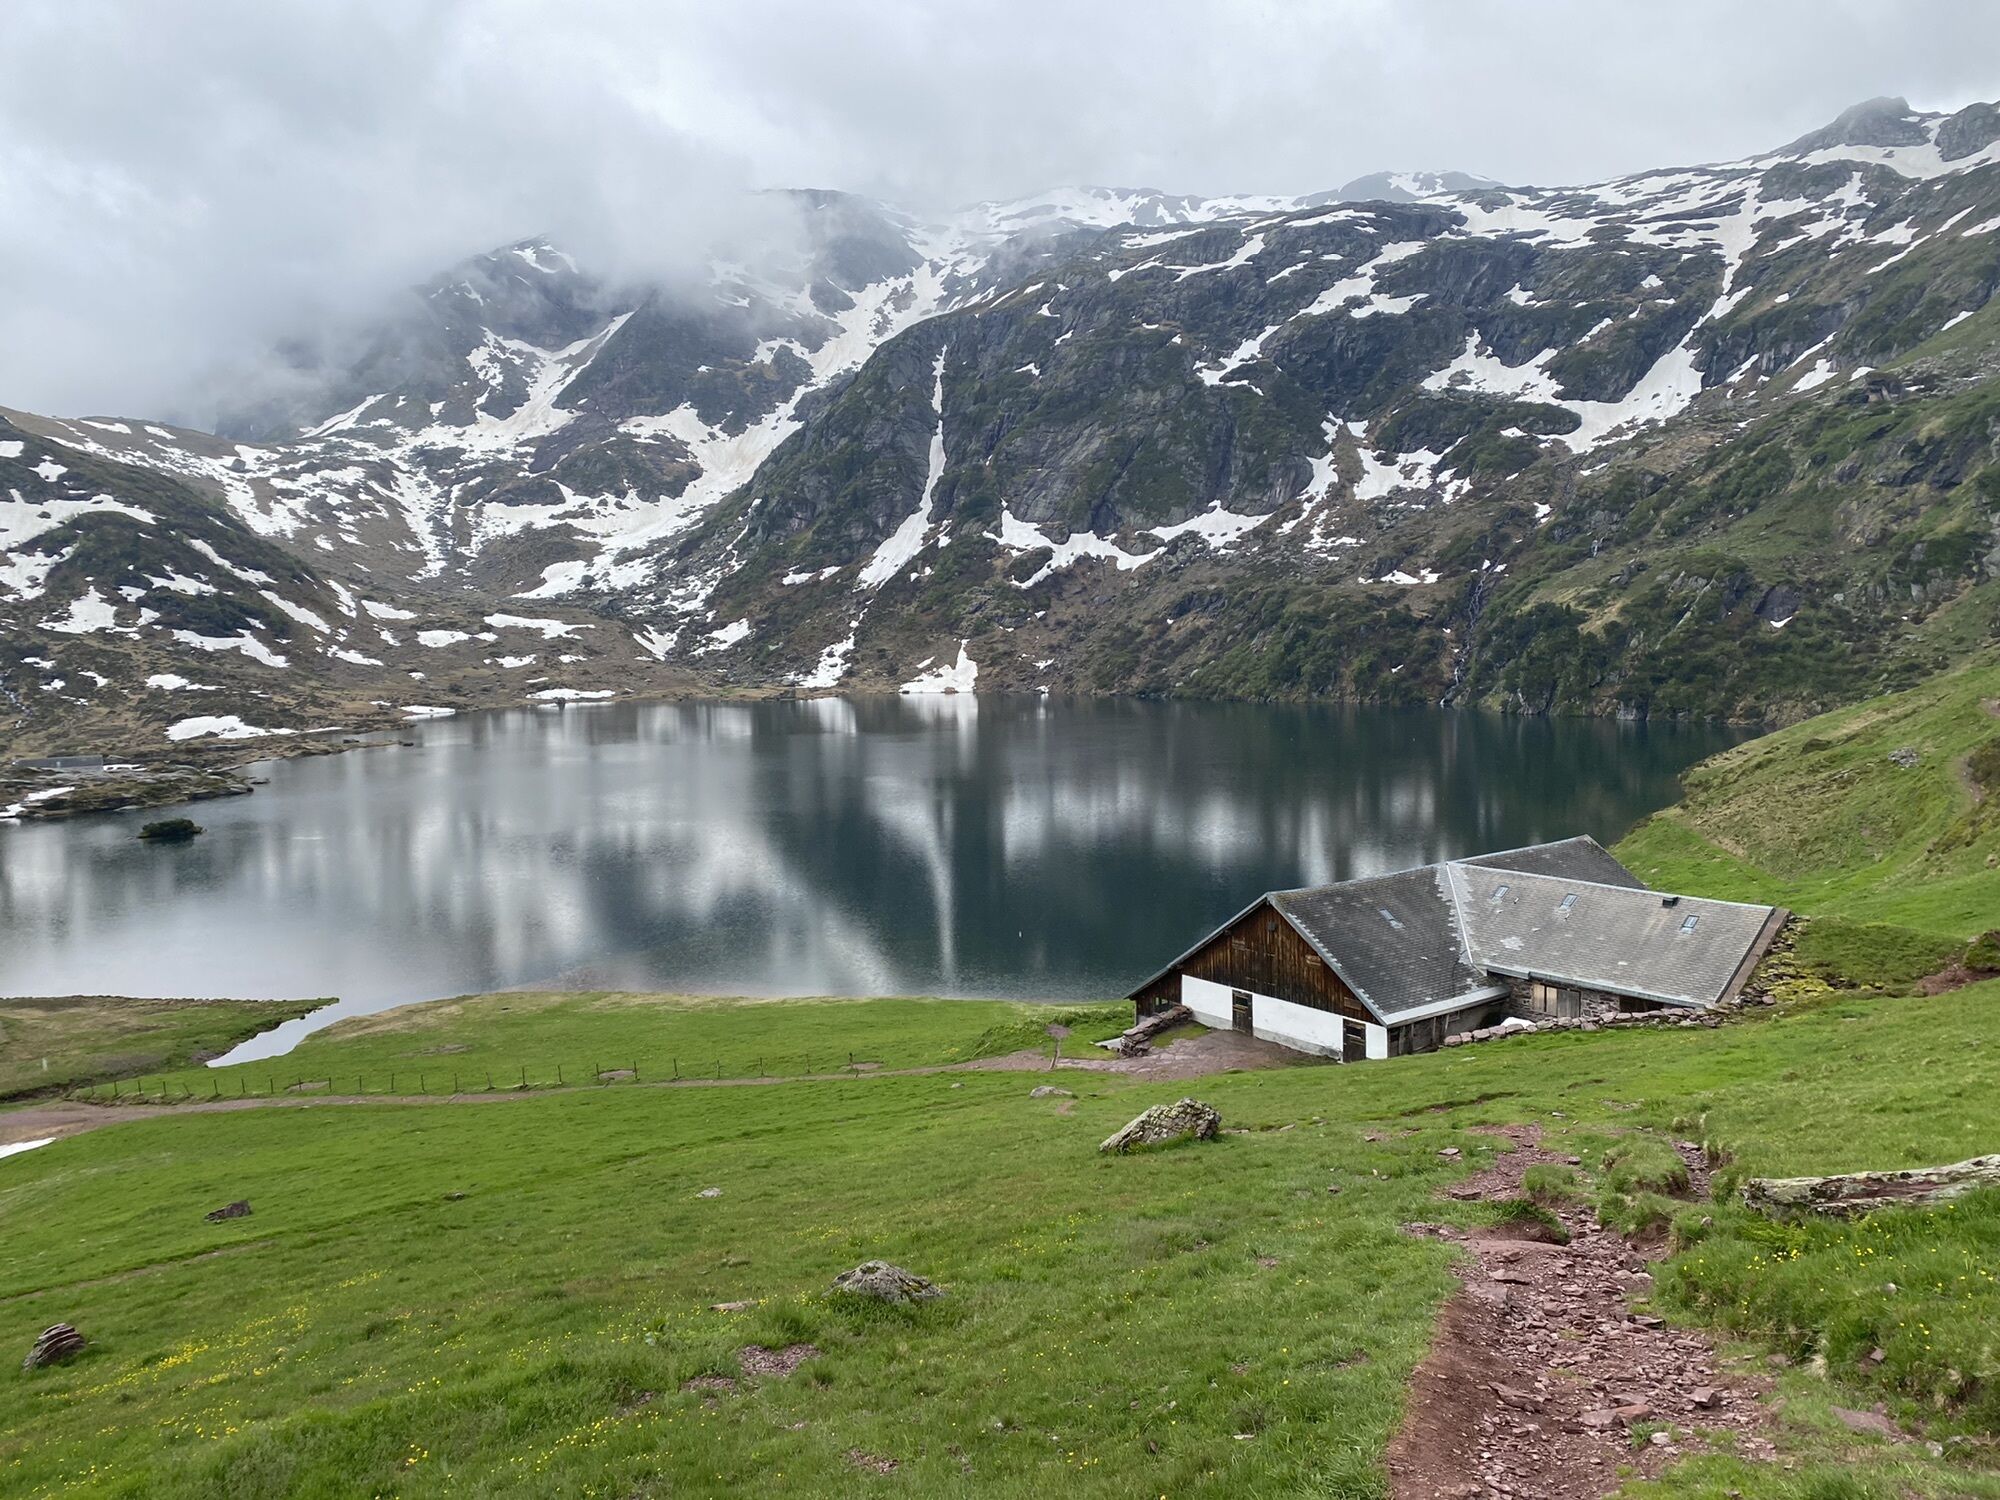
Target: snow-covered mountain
point(934, 453)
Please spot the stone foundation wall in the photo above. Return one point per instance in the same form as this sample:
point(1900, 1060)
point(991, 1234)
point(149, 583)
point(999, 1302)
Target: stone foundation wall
point(1656, 1016)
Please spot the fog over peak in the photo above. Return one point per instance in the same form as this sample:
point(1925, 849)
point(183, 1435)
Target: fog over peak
point(183, 187)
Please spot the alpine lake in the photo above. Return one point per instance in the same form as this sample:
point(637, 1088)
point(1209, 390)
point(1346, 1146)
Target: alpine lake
point(949, 845)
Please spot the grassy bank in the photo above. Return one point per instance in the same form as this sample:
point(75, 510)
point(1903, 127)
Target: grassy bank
point(543, 1040)
point(1885, 813)
point(49, 1045)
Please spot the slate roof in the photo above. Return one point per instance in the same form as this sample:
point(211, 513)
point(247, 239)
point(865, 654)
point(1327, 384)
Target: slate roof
point(1608, 937)
point(1579, 858)
point(1391, 938)
point(1444, 936)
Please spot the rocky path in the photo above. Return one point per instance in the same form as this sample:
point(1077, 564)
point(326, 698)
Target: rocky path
point(1542, 1382)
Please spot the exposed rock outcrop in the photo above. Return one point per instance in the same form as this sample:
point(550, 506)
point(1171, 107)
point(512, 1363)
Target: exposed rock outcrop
point(59, 1343)
point(1183, 1120)
point(884, 1282)
point(1850, 1194)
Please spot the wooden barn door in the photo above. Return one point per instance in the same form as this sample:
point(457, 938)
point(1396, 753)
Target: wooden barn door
point(1353, 1041)
point(1239, 1010)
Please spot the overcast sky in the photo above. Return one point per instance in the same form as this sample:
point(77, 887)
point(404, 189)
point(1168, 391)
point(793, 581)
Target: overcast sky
point(183, 183)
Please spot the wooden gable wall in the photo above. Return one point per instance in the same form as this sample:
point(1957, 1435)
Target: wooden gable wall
point(1264, 953)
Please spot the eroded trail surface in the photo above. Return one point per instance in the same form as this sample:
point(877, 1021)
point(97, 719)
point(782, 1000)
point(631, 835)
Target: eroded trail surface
point(1543, 1382)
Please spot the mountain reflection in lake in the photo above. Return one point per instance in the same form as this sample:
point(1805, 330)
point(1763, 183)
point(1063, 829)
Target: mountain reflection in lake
point(949, 846)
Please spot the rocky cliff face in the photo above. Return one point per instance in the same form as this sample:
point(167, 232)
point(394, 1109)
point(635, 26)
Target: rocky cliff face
point(1707, 440)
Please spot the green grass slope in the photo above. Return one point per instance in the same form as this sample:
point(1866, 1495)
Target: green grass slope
point(510, 1297)
point(539, 1039)
point(1887, 812)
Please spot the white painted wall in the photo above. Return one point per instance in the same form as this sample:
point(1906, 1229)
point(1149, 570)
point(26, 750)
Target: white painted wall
point(1297, 1026)
point(1209, 1001)
point(1378, 1039)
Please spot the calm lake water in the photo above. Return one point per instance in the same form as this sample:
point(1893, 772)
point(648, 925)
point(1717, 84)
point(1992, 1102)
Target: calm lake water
point(943, 846)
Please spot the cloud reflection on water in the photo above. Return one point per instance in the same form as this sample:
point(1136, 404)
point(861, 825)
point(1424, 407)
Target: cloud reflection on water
point(897, 845)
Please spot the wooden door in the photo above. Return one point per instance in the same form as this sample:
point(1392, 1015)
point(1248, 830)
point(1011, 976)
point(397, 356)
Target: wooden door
point(1239, 1010)
point(1353, 1041)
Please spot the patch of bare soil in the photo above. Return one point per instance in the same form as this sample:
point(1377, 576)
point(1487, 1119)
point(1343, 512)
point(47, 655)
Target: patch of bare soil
point(1195, 1057)
point(1541, 1380)
point(1957, 977)
point(757, 1360)
point(874, 1463)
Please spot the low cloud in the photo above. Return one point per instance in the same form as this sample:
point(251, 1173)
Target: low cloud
point(184, 186)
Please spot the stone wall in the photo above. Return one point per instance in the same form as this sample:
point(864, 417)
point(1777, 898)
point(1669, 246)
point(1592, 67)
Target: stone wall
point(1714, 1015)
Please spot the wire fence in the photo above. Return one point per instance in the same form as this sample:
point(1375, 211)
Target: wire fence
point(249, 1082)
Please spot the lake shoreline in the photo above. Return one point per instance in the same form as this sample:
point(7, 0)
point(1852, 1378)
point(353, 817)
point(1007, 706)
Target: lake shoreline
point(880, 844)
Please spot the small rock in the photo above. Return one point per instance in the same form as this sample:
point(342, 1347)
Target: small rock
point(1876, 1356)
point(710, 1192)
point(56, 1344)
point(1905, 756)
point(886, 1283)
point(1706, 1397)
point(240, 1209)
point(1186, 1119)
point(1865, 1421)
point(733, 1307)
point(1661, 1439)
point(1449, 1152)
point(1050, 1091)
point(1519, 1400)
point(1600, 1418)
point(1638, 1411)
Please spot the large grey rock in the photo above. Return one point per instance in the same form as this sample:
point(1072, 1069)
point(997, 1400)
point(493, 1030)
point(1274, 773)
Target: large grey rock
point(54, 1346)
point(1185, 1119)
point(1853, 1193)
point(886, 1283)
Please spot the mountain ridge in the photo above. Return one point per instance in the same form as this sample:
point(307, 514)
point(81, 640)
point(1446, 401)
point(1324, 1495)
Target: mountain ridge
point(1301, 447)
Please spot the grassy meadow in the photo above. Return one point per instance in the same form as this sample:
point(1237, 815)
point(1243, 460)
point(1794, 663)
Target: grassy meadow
point(478, 1043)
point(508, 1297)
point(515, 1294)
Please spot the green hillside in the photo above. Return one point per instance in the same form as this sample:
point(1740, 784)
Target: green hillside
point(1887, 812)
point(511, 1297)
